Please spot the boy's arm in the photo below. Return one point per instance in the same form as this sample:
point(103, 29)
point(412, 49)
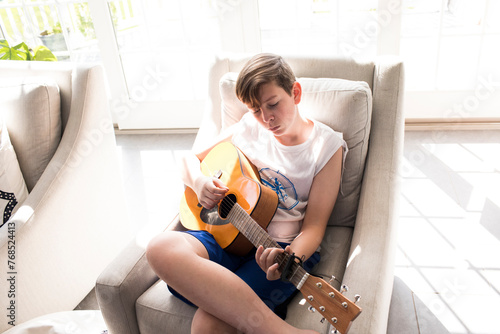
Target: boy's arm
point(209, 190)
point(322, 197)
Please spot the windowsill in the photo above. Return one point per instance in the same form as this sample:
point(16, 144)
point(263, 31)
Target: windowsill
point(425, 124)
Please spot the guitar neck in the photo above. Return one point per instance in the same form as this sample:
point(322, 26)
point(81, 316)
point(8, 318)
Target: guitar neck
point(259, 237)
point(339, 310)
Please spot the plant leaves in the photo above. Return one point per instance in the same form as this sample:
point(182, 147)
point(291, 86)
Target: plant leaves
point(43, 53)
point(22, 52)
point(5, 51)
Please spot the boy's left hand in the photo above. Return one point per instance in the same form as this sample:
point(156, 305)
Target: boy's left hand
point(265, 258)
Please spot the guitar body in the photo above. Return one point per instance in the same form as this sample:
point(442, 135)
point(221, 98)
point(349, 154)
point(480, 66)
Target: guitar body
point(229, 164)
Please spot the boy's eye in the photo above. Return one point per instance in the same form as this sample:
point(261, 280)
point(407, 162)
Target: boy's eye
point(273, 105)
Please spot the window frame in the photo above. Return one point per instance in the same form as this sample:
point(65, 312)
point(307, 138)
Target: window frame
point(132, 110)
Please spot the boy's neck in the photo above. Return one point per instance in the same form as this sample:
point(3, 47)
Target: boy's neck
point(299, 134)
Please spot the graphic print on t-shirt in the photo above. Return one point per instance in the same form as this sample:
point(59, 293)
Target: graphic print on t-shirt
point(284, 188)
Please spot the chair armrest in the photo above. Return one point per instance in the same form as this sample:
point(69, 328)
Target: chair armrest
point(123, 282)
point(370, 268)
point(74, 221)
point(119, 286)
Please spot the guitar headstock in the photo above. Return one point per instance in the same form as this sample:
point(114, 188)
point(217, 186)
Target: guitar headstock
point(333, 306)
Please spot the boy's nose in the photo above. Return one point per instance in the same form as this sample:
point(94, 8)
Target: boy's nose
point(267, 116)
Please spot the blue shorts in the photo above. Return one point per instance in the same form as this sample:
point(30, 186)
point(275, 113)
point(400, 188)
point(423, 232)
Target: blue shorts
point(273, 293)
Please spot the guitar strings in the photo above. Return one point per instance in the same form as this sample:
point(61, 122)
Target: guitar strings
point(227, 205)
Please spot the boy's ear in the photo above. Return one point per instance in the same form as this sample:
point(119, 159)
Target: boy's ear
point(297, 92)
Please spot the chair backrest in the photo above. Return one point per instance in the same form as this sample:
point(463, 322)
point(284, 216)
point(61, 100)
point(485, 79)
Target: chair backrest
point(62, 73)
point(337, 92)
point(31, 109)
point(38, 98)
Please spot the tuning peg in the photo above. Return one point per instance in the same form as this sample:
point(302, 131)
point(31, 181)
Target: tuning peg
point(344, 288)
point(332, 279)
point(356, 298)
point(322, 320)
point(334, 331)
point(311, 309)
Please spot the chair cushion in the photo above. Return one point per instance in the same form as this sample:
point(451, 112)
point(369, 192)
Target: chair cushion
point(13, 189)
point(31, 110)
point(160, 311)
point(345, 106)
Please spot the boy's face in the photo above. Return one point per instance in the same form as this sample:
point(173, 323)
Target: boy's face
point(277, 111)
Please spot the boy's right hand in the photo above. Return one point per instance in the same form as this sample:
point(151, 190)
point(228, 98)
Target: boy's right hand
point(210, 191)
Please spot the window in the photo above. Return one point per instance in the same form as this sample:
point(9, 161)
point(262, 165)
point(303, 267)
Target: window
point(318, 27)
point(451, 50)
point(156, 52)
point(65, 27)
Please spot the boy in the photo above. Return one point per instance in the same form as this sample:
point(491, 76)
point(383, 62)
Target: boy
point(301, 160)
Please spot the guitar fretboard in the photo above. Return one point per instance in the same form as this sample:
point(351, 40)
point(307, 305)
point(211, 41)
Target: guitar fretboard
point(258, 236)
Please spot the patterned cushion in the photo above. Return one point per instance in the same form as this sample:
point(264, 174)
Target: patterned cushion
point(12, 186)
point(345, 106)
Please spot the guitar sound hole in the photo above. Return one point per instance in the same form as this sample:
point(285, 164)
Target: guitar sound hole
point(226, 205)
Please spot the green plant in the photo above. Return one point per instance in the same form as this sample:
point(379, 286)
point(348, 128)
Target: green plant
point(84, 20)
point(55, 30)
point(22, 52)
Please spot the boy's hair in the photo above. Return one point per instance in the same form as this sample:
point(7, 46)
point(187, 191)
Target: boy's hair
point(262, 69)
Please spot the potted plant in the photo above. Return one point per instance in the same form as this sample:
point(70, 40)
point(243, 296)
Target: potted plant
point(53, 38)
point(21, 51)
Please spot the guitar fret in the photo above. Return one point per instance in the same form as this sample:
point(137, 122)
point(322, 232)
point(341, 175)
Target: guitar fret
point(296, 270)
point(254, 233)
point(232, 217)
point(281, 259)
point(250, 228)
point(256, 229)
point(260, 240)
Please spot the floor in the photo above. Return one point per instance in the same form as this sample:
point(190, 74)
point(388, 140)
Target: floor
point(447, 265)
point(449, 233)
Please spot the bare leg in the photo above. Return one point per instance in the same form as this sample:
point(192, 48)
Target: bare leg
point(204, 322)
point(181, 260)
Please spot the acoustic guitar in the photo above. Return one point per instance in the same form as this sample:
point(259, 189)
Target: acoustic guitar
point(238, 224)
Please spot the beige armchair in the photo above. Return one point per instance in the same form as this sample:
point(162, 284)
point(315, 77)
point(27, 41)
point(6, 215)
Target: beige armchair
point(74, 220)
point(364, 102)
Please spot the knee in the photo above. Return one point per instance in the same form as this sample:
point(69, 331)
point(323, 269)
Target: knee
point(159, 249)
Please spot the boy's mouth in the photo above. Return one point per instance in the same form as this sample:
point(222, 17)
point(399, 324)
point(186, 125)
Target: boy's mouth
point(274, 128)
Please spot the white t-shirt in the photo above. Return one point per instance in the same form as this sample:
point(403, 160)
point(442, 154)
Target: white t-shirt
point(288, 170)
